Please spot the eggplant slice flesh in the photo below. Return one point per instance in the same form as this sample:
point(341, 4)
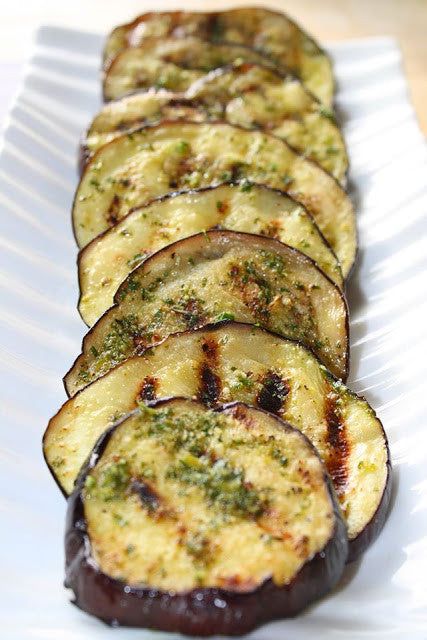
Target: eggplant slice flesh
point(135, 168)
point(248, 95)
point(272, 33)
point(106, 261)
point(213, 276)
point(239, 362)
point(181, 508)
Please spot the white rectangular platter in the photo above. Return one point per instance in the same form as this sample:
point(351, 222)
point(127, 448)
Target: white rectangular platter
point(384, 595)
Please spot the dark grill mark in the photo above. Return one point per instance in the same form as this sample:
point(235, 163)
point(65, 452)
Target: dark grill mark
point(146, 494)
point(210, 385)
point(210, 349)
point(238, 171)
point(178, 102)
point(182, 103)
point(339, 446)
point(113, 211)
point(273, 393)
point(148, 389)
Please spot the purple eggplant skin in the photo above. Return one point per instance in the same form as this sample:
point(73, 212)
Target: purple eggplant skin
point(200, 612)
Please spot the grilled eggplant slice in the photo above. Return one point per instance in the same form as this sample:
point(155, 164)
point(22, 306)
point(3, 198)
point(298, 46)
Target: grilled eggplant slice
point(202, 522)
point(214, 276)
point(133, 169)
point(272, 33)
point(172, 64)
point(140, 109)
point(248, 95)
point(240, 362)
point(106, 261)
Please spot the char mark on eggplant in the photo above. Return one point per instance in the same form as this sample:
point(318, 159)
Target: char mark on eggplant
point(338, 442)
point(273, 393)
point(148, 389)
